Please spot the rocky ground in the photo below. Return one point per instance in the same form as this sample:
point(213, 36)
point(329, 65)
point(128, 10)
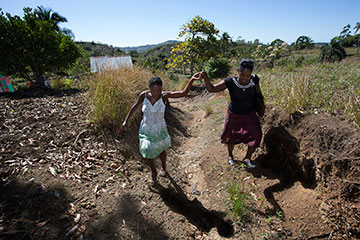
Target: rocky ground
point(61, 178)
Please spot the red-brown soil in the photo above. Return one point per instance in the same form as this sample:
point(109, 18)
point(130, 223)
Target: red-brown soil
point(61, 178)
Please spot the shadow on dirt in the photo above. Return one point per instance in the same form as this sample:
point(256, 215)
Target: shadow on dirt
point(173, 117)
point(282, 162)
point(32, 211)
point(126, 222)
point(194, 211)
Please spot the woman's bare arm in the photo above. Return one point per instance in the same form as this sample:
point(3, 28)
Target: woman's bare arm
point(134, 108)
point(221, 86)
point(185, 91)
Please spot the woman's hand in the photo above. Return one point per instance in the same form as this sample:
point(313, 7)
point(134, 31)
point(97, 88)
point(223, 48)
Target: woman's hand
point(203, 75)
point(196, 76)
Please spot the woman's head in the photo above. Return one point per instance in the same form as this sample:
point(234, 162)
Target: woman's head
point(245, 69)
point(155, 81)
point(155, 86)
point(246, 63)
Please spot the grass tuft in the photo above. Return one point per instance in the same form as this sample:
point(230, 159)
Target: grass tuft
point(112, 93)
point(239, 205)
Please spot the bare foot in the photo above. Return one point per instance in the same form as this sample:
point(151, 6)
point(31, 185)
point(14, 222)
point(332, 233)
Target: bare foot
point(162, 173)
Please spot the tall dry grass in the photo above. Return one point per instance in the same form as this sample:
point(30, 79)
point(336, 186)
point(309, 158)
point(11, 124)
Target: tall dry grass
point(330, 87)
point(112, 93)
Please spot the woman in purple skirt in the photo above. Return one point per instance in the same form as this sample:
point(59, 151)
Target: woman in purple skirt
point(242, 123)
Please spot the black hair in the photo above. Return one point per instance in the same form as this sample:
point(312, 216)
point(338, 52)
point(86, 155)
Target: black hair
point(246, 63)
point(155, 81)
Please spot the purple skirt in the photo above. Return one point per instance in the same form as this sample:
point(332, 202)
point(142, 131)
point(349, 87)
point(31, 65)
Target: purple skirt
point(242, 129)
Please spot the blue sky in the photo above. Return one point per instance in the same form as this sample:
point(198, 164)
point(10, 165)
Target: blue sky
point(139, 22)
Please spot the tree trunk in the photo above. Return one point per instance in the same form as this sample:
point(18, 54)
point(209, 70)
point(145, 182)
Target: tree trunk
point(40, 79)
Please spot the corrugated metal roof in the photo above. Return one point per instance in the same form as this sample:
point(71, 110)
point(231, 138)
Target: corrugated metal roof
point(98, 64)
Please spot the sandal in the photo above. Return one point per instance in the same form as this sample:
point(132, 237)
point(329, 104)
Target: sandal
point(231, 161)
point(248, 163)
point(162, 173)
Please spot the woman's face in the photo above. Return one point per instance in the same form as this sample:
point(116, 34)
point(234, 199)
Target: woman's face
point(156, 91)
point(244, 76)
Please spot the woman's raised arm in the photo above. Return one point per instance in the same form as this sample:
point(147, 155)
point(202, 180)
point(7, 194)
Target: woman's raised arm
point(185, 91)
point(221, 86)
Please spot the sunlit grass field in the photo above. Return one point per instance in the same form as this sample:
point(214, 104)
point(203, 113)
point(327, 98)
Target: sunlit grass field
point(322, 87)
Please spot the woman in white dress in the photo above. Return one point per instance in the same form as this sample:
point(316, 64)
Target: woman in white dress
point(154, 138)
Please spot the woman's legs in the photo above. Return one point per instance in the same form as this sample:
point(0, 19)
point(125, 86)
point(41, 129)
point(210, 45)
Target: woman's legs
point(163, 163)
point(230, 148)
point(249, 152)
point(151, 164)
point(247, 158)
point(163, 159)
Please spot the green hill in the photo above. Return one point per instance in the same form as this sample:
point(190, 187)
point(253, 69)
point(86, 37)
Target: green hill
point(144, 48)
point(93, 49)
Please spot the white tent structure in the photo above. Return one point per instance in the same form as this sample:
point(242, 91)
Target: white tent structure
point(99, 64)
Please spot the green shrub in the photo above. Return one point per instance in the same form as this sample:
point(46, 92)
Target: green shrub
point(299, 61)
point(173, 77)
point(217, 68)
point(62, 83)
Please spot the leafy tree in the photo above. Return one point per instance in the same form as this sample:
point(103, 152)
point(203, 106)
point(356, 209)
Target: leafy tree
point(242, 49)
point(134, 53)
point(345, 38)
point(277, 42)
point(217, 68)
point(346, 32)
point(225, 42)
point(304, 42)
point(357, 29)
point(82, 64)
point(154, 62)
point(32, 47)
point(332, 52)
point(269, 54)
point(49, 15)
point(200, 44)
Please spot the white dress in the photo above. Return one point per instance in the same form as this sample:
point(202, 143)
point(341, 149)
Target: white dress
point(153, 135)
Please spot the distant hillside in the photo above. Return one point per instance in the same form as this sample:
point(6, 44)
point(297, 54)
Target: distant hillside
point(146, 47)
point(160, 50)
point(99, 49)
